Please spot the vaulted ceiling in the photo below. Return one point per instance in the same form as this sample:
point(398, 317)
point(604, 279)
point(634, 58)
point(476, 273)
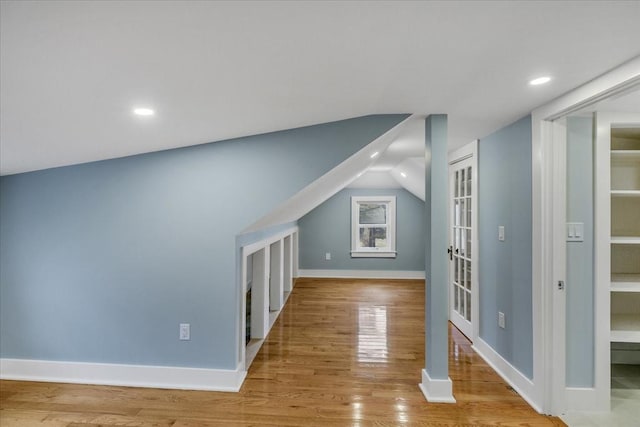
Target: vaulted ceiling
point(72, 71)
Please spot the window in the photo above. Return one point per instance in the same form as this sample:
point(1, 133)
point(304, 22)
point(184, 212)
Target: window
point(373, 227)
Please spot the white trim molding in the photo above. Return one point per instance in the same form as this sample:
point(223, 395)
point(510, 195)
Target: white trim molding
point(371, 254)
point(612, 83)
point(436, 391)
point(170, 377)
point(520, 383)
point(465, 152)
point(261, 244)
point(362, 274)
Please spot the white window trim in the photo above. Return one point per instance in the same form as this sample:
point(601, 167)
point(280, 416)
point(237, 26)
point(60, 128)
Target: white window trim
point(357, 252)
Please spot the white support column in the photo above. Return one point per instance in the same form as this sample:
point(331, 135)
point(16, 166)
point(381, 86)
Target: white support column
point(260, 295)
point(276, 291)
point(288, 264)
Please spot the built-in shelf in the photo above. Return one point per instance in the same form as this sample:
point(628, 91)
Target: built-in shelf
point(625, 154)
point(253, 346)
point(625, 278)
point(625, 328)
point(625, 240)
point(625, 282)
point(268, 268)
point(625, 193)
point(625, 235)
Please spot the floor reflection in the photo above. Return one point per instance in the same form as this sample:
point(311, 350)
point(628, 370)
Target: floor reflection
point(357, 411)
point(342, 353)
point(372, 334)
point(401, 412)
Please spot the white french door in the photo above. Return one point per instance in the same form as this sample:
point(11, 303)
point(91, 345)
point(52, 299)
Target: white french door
point(462, 284)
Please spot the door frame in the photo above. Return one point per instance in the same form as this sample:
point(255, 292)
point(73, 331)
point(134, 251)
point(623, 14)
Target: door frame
point(549, 310)
point(469, 151)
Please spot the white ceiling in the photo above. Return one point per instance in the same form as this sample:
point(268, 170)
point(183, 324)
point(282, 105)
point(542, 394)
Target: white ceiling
point(71, 71)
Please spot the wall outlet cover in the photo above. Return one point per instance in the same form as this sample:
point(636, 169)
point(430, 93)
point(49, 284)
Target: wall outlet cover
point(185, 331)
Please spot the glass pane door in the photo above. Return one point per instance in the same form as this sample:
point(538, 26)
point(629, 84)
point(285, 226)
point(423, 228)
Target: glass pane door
point(460, 250)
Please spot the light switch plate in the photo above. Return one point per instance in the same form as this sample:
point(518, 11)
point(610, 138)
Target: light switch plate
point(501, 233)
point(575, 232)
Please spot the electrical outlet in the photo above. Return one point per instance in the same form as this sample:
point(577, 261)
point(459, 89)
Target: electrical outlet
point(185, 331)
point(327, 256)
point(501, 320)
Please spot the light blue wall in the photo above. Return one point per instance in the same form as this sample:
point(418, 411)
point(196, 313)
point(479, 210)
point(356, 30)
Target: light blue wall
point(579, 286)
point(504, 167)
point(100, 262)
point(327, 228)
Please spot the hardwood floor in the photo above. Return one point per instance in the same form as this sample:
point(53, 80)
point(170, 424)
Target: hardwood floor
point(342, 353)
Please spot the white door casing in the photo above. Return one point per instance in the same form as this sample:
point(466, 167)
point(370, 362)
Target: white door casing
point(550, 394)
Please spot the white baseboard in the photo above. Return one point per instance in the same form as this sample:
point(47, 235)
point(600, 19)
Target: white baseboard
point(436, 391)
point(520, 383)
point(122, 375)
point(362, 274)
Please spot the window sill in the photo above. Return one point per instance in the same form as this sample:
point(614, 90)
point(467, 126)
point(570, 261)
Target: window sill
point(372, 254)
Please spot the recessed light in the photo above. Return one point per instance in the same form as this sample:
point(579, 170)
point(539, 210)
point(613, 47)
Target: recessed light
point(143, 112)
point(404, 175)
point(374, 155)
point(540, 81)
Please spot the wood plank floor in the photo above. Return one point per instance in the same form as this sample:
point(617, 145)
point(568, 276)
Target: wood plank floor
point(342, 353)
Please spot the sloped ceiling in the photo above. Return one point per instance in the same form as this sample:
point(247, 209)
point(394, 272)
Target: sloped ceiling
point(383, 163)
point(336, 179)
point(410, 175)
point(402, 164)
point(71, 71)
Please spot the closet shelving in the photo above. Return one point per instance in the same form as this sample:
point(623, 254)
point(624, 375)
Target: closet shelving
point(625, 235)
